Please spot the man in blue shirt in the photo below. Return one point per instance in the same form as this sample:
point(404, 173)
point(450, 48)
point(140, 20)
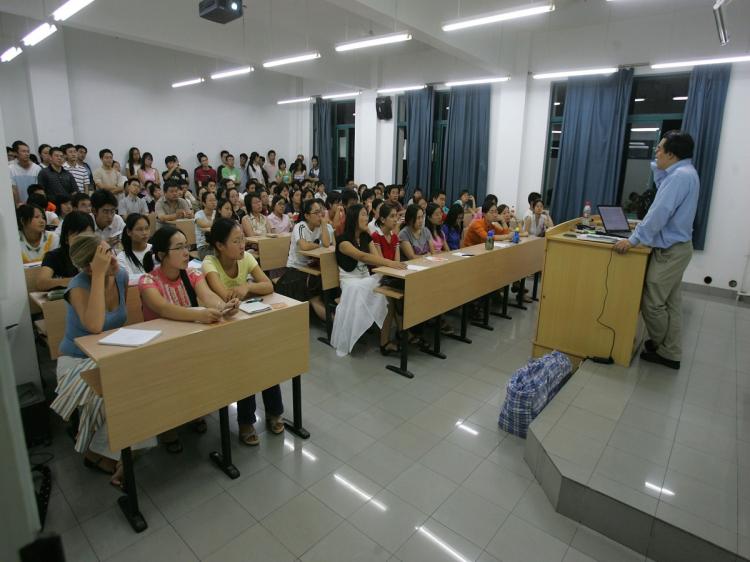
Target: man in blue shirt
point(668, 229)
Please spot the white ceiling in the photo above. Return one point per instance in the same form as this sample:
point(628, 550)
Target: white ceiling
point(578, 33)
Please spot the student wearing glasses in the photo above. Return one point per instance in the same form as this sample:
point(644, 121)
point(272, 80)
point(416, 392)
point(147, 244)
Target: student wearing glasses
point(360, 306)
point(227, 273)
point(313, 231)
point(175, 292)
point(95, 303)
point(136, 257)
point(108, 224)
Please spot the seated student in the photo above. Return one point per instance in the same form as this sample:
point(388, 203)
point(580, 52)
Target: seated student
point(265, 201)
point(136, 257)
point(209, 186)
point(307, 193)
point(238, 206)
point(187, 195)
point(320, 191)
point(33, 236)
point(414, 237)
point(373, 215)
point(416, 196)
point(335, 211)
point(131, 203)
point(479, 228)
point(278, 220)
point(466, 200)
point(57, 268)
point(64, 206)
point(312, 231)
point(225, 209)
point(503, 223)
point(175, 292)
point(453, 227)
point(281, 189)
point(79, 202)
point(172, 207)
point(384, 234)
point(349, 198)
point(95, 303)
point(533, 196)
point(254, 223)
point(203, 221)
point(107, 223)
point(39, 199)
point(227, 273)
point(489, 198)
point(360, 306)
point(154, 195)
point(434, 225)
point(294, 207)
point(367, 198)
point(539, 222)
point(439, 198)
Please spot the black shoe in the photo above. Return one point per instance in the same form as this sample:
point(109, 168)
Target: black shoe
point(653, 357)
point(651, 346)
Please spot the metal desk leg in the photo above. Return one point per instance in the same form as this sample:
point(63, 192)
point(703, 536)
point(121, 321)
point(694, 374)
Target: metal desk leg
point(504, 313)
point(537, 276)
point(224, 459)
point(520, 294)
point(435, 350)
point(403, 368)
point(485, 323)
point(129, 502)
point(327, 303)
point(296, 425)
point(464, 325)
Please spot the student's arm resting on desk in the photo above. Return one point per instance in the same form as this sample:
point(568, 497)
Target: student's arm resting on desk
point(370, 258)
point(46, 282)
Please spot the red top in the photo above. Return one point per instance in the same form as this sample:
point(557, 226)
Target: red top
point(202, 176)
point(173, 292)
point(388, 245)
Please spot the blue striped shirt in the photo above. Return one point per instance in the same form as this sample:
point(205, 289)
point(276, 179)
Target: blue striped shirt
point(670, 218)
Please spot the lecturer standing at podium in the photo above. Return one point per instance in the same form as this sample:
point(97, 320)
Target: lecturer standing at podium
point(668, 229)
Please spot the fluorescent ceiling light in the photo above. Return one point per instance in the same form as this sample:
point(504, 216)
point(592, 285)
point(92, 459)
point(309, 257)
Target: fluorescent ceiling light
point(401, 89)
point(680, 98)
point(644, 129)
point(500, 16)
point(10, 54)
point(39, 34)
point(340, 96)
point(639, 100)
point(188, 82)
point(567, 73)
point(293, 100)
point(290, 60)
point(478, 81)
point(233, 72)
point(374, 41)
point(700, 62)
point(69, 8)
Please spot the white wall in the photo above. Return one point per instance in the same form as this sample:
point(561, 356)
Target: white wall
point(374, 142)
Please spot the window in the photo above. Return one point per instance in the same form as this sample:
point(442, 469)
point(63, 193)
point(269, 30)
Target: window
point(344, 142)
point(657, 106)
point(401, 141)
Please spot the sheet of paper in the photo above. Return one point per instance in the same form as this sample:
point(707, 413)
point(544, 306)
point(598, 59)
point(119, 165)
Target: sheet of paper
point(195, 264)
point(254, 307)
point(416, 267)
point(461, 255)
point(128, 337)
point(436, 258)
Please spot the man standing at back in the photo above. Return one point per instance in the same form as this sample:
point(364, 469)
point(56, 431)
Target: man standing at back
point(668, 229)
point(55, 179)
point(79, 172)
point(270, 166)
point(23, 172)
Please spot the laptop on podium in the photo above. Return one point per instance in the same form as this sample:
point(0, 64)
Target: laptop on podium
point(614, 220)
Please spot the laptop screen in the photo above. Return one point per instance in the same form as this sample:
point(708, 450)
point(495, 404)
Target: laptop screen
point(613, 218)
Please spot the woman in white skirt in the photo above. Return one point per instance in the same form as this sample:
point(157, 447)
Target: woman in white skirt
point(96, 303)
point(359, 306)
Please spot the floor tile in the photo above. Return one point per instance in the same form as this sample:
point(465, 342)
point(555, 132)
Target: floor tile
point(536, 509)
point(344, 405)
point(60, 517)
point(573, 555)
point(645, 419)
point(636, 473)
point(376, 422)
point(212, 524)
point(600, 547)
point(381, 463)
point(587, 423)
point(176, 496)
point(343, 441)
point(265, 491)
point(402, 405)
point(301, 523)
point(345, 544)
point(77, 546)
point(307, 464)
point(411, 440)
point(164, 545)
point(471, 516)
point(707, 468)
point(458, 404)
point(422, 488)
point(700, 499)
point(436, 420)
point(254, 545)
point(388, 520)
point(433, 542)
point(451, 460)
point(641, 444)
point(478, 389)
point(345, 490)
point(519, 541)
point(510, 454)
point(497, 484)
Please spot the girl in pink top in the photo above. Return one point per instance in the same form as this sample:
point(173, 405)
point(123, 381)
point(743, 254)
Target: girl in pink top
point(147, 171)
point(434, 224)
point(278, 220)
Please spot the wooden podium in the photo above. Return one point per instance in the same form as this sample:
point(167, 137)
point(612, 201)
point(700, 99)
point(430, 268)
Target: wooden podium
point(591, 298)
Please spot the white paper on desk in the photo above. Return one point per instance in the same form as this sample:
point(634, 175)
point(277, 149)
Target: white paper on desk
point(128, 337)
point(254, 307)
point(503, 245)
point(416, 267)
point(195, 264)
point(460, 255)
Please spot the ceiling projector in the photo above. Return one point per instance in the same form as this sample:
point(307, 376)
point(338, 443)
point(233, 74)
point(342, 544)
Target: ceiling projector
point(220, 11)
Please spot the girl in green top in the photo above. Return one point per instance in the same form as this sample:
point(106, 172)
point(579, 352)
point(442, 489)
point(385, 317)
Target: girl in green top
point(283, 175)
point(227, 274)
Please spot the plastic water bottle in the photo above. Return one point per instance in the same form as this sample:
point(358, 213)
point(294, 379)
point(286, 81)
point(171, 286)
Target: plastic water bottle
point(587, 213)
point(489, 243)
point(516, 235)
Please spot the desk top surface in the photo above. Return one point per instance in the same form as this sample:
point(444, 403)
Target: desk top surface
point(171, 329)
point(256, 239)
point(318, 252)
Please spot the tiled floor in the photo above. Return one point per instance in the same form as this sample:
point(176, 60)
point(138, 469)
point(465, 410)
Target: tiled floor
point(397, 469)
point(673, 444)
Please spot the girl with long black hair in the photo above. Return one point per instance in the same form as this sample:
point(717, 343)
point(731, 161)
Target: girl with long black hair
point(136, 257)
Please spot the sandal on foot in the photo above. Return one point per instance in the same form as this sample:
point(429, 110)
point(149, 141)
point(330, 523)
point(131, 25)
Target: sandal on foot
point(389, 349)
point(117, 478)
point(98, 462)
point(248, 436)
point(199, 426)
point(275, 424)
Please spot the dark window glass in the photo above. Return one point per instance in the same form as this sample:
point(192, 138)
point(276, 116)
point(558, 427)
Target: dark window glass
point(401, 111)
point(442, 101)
point(656, 94)
point(558, 98)
point(345, 113)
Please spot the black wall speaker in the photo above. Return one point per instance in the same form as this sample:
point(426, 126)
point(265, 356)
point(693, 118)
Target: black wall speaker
point(383, 107)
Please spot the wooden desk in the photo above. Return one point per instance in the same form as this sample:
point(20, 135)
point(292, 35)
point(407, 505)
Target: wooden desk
point(187, 227)
point(54, 313)
point(329, 278)
point(31, 273)
point(273, 250)
point(445, 285)
point(191, 370)
point(591, 298)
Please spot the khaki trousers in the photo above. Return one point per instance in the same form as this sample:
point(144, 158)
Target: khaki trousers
point(661, 306)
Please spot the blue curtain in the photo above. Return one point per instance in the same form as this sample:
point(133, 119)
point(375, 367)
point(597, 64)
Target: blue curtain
point(591, 144)
point(704, 113)
point(323, 128)
point(468, 142)
point(419, 110)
